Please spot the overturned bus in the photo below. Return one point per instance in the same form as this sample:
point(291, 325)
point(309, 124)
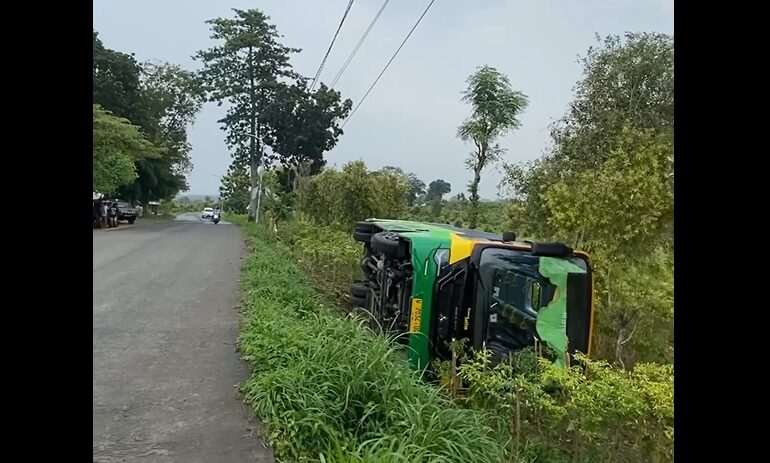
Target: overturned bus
point(429, 284)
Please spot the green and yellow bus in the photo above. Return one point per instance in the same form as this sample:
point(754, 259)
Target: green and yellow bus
point(429, 284)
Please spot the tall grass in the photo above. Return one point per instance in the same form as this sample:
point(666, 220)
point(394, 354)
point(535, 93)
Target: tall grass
point(330, 390)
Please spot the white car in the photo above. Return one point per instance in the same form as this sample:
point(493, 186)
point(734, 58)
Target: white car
point(207, 213)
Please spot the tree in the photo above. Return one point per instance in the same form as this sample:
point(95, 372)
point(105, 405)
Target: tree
point(116, 83)
point(235, 189)
point(496, 109)
point(628, 82)
point(415, 185)
point(117, 145)
point(620, 212)
point(607, 186)
point(162, 100)
point(437, 189)
point(622, 207)
point(302, 125)
point(244, 70)
point(171, 98)
point(416, 188)
point(435, 195)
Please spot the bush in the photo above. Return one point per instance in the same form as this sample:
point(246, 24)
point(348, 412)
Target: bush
point(329, 256)
point(590, 412)
point(352, 194)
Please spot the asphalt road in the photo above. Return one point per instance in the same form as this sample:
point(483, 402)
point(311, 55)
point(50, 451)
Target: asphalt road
point(165, 328)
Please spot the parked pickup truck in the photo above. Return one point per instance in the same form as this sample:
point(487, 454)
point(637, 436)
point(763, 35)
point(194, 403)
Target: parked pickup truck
point(127, 212)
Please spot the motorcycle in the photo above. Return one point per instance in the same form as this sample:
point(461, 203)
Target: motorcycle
point(215, 218)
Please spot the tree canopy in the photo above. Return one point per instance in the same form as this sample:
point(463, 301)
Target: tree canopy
point(162, 101)
point(495, 110)
point(117, 146)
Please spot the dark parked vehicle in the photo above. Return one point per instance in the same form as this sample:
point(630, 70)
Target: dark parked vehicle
point(127, 212)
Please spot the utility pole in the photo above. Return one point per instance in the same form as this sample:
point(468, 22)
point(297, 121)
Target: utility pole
point(260, 172)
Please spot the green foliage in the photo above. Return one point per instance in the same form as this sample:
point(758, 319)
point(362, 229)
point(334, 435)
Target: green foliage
point(117, 145)
point(278, 201)
point(607, 186)
point(235, 190)
point(626, 93)
point(328, 389)
point(437, 189)
point(328, 255)
point(162, 100)
point(416, 186)
point(635, 308)
point(116, 83)
point(353, 194)
point(490, 215)
point(527, 408)
point(587, 413)
point(243, 70)
point(172, 97)
point(495, 110)
point(627, 81)
point(302, 125)
point(623, 205)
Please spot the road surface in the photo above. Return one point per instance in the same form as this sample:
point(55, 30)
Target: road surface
point(165, 330)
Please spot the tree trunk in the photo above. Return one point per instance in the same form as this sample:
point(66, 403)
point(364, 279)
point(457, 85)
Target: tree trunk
point(622, 325)
point(253, 183)
point(254, 160)
point(619, 347)
point(474, 198)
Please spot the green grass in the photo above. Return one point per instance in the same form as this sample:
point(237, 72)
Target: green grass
point(330, 390)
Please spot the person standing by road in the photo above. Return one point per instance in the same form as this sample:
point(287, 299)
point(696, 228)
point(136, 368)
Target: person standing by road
point(103, 212)
point(114, 214)
point(95, 210)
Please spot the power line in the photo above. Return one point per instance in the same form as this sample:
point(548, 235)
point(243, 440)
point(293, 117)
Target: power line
point(390, 61)
point(323, 62)
point(358, 45)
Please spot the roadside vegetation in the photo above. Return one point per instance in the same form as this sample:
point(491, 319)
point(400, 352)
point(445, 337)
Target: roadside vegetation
point(329, 389)
point(141, 114)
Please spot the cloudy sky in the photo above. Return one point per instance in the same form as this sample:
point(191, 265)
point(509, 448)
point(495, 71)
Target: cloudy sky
point(411, 116)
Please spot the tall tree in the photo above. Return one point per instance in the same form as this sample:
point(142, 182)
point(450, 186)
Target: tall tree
point(628, 84)
point(244, 70)
point(629, 81)
point(302, 125)
point(162, 100)
point(607, 186)
point(496, 109)
point(171, 98)
point(116, 83)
